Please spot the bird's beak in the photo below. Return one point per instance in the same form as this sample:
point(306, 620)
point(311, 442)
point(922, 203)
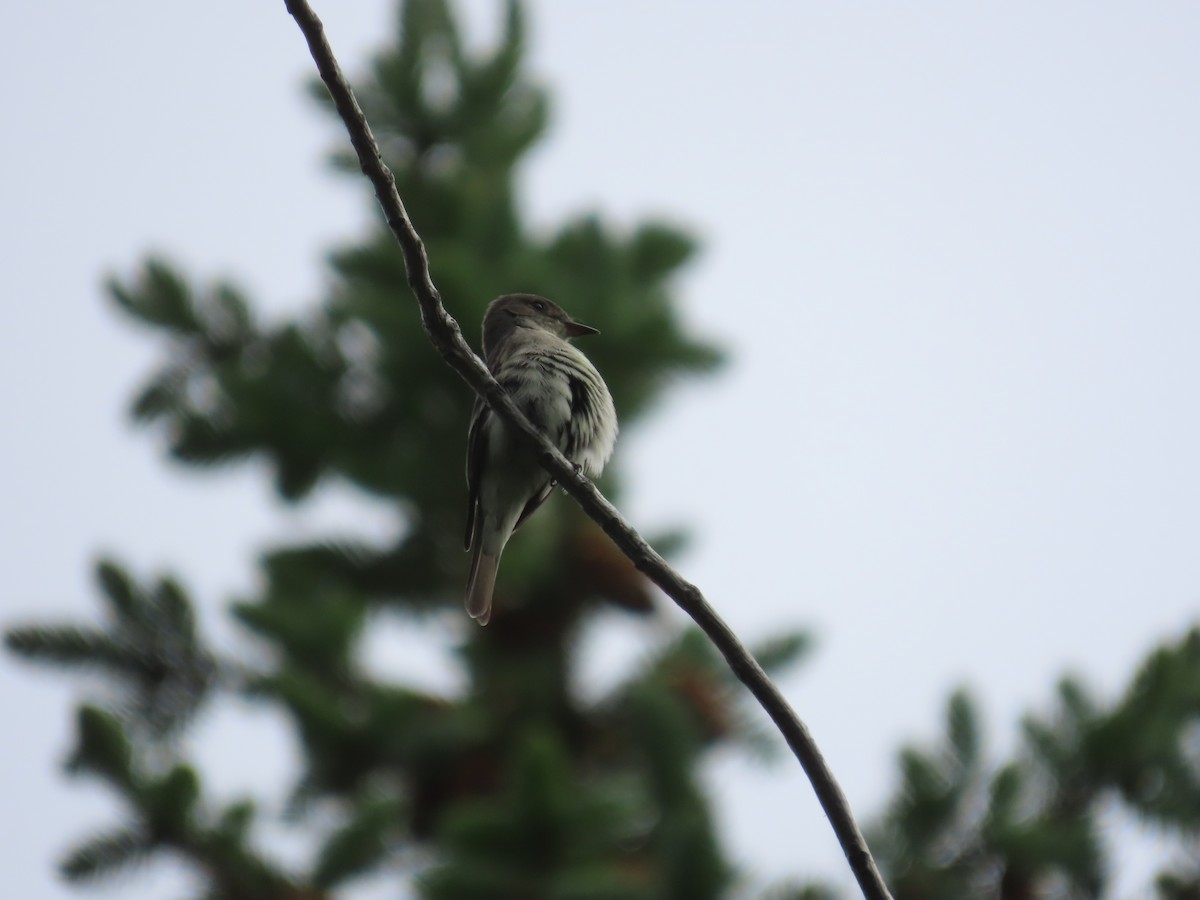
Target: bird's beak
point(578, 329)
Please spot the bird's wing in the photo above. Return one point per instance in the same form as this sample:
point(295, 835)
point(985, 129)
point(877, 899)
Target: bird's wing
point(534, 502)
point(476, 454)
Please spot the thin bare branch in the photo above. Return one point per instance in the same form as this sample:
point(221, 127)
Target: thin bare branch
point(447, 338)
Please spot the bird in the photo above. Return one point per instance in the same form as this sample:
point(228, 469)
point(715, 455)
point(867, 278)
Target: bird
point(526, 345)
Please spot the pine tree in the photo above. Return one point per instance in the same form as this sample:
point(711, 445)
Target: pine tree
point(517, 786)
point(1035, 827)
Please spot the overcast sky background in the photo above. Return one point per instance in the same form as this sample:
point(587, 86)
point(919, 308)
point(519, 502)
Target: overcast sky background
point(951, 248)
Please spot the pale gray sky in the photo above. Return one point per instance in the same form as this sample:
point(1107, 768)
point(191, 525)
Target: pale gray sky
point(952, 249)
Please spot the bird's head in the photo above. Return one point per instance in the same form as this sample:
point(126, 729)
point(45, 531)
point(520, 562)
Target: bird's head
point(513, 311)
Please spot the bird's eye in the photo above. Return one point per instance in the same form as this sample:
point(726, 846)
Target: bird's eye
point(538, 305)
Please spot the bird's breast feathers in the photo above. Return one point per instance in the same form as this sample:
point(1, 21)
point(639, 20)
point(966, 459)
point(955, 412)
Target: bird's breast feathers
point(560, 391)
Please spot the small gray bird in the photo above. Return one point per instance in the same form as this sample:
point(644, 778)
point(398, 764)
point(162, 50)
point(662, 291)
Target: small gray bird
point(526, 346)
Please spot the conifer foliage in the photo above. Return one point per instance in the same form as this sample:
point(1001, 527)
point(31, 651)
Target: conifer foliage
point(1043, 825)
point(518, 785)
point(1052, 822)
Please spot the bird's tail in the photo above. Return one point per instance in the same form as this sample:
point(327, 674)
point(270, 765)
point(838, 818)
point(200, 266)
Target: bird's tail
point(481, 583)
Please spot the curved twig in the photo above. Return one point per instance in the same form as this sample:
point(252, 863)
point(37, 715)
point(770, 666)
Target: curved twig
point(447, 338)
